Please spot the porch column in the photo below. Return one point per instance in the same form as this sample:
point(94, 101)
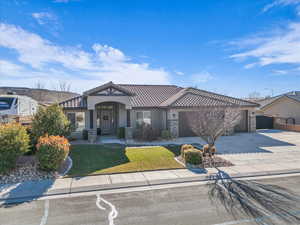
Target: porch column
point(128, 118)
point(128, 128)
point(91, 119)
point(92, 133)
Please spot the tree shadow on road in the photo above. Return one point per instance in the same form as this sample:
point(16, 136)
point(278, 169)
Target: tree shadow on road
point(14, 194)
point(263, 203)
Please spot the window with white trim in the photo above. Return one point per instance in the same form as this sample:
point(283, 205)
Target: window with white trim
point(143, 117)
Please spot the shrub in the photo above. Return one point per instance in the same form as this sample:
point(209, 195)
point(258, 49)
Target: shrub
point(14, 142)
point(166, 134)
point(185, 147)
point(52, 151)
point(32, 148)
point(51, 121)
point(193, 156)
point(209, 150)
point(121, 132)
point(85, 134)
point(145, 133)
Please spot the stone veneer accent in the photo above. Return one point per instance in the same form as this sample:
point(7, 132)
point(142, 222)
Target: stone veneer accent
point(173, 123)
point(252, 120)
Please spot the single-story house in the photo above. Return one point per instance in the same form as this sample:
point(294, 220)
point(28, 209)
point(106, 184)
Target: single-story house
point(285, 107)
point(110, 106)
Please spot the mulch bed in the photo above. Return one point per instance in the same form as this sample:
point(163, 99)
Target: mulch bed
point(208, 162)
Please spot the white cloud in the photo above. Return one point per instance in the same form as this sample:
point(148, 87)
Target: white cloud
point(283, 47)
point(201, 77)
point(48, 61)
point(179, 73)
point(9, 69)
point(280, 3)
point(44, 17)
point(280, 72)
point(38, 52)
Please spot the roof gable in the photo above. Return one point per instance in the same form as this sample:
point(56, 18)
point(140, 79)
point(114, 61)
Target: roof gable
point(192, 95)
point(294, 95)
point(278, 100)
point(193, 100)
point(108, 89)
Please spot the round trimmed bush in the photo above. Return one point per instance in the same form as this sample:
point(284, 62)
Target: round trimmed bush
point(14, 142)
point(185, 147)
point(52, 151)
point(193, 156)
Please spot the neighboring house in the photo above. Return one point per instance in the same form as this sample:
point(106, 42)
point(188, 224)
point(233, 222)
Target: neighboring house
point(285, 106)
point(111, 106)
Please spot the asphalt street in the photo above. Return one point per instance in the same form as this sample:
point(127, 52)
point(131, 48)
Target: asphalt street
point(173, 206)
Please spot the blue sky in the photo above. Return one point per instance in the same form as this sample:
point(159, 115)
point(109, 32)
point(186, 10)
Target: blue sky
point(233, 47)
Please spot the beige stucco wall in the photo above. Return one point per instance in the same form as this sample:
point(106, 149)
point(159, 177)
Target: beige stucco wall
point(284, 107)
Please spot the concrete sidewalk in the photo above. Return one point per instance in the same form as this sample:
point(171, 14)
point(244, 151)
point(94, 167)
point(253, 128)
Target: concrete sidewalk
point(31, 190)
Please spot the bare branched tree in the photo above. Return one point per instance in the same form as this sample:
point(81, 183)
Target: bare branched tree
point(64, 86)
point(212, 122)
point(39, 85)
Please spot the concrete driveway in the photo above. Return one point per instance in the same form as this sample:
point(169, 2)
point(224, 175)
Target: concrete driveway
point(263, 150)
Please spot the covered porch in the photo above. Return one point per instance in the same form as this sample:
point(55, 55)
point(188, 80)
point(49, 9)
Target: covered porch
point(106, 118)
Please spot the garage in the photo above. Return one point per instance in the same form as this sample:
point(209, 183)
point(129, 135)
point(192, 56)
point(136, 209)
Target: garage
point(264, 122)
point(184, 128)
point(186, 131)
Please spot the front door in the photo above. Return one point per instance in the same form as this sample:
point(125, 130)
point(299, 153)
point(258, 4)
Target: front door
point(106, 121)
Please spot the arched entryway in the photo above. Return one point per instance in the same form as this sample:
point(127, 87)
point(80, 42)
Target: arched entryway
point(109, 117)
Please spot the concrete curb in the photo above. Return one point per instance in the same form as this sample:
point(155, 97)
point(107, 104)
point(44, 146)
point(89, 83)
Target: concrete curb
point(149, 183)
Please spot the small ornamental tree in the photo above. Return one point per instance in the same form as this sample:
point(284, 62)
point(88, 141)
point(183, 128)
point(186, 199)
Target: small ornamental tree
point(51, 121)
point(52, 151)
point(212, 122)
point(14, 141)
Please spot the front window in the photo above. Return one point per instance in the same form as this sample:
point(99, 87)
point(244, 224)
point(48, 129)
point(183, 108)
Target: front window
point(143, 117)
point(77, 120)
point(5, 103)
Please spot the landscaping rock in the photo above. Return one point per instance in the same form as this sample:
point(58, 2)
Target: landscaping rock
point(26, 170)
point(27, 173)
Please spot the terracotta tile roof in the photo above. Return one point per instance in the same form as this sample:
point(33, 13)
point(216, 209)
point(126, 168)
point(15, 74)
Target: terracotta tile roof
point(164, 96)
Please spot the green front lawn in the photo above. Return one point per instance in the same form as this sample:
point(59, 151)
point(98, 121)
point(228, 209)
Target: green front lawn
point(114, 158)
